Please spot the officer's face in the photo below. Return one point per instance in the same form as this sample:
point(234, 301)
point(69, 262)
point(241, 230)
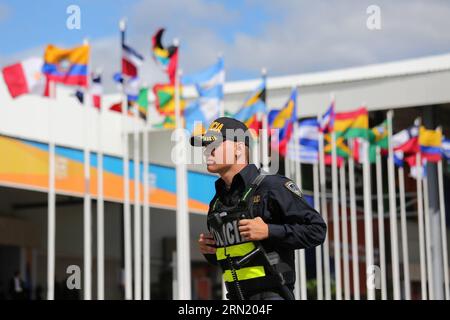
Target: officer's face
point(220, 156)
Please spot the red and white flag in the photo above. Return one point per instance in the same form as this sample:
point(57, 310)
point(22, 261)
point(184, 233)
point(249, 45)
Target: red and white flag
point(131, 60)
point(25, 77)
point(96, 90)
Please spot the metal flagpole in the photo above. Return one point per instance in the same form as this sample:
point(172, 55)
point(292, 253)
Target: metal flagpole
point(354, 224)
point(264, 137)
point(255, 150)
point(443, 228)
point(146, 218)
point(319, 271)
point(222, 102)
point(368, 231)
point(423, 267)
point(298, 178)
point(87, 236)
point(182, 216)
point(344, 232)
point(393, 212)
point(100, 211)
point(290, 173)
point(404, 230)
point(137, 210)
point(428, 245)
point(126, 188)
point(380, 207)
point(336, 220)
point(324, 211)
point(51, 200)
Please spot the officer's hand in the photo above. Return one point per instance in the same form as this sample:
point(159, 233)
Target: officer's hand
point(253, 229)
point(206, 243)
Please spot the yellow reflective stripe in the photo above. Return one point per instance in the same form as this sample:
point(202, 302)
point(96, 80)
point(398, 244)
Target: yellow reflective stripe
point(236, 250)
point(245, 273)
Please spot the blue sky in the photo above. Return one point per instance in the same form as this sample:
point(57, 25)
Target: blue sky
point(285, 36)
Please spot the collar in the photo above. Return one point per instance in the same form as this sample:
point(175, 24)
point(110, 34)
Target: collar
point(243, 178)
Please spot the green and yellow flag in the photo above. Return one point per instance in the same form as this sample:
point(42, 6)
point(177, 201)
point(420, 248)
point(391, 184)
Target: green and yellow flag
point(142, 103)
point(165, 98)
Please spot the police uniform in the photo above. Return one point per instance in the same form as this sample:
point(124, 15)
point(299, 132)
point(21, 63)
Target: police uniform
point(292, 225)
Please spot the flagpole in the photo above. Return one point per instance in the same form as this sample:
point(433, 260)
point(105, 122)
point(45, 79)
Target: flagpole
point(319, 271)
point(428, 245)
point(423, 268)
point(290, 173)
point(87, 290)
point(222, 101)
point(336, 220)
point(380, 207)
point(264, 138)
point(182, 216)
point(126, 188)
point(146, 213)
point(137, 210)
point(51, 200)
point(344, 233)
point(255, 151)
point(298, 178)
point(324, 211)
point(393, 212)
point(100, 211)
point(354, 225)
point(404, 230)
point(368, 229)
point(443, 228)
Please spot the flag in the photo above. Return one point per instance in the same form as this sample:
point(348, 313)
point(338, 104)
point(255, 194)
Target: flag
point(342, 150)
point(430, 144)
point(167, 123)
point(255, 102)
point(407, 140)
point(165, 98)
point(307, 141)
point(414, 170)
point(25, 77)
point(398, 158)
point(446, 148)
point(327, 121)
point(96, 91)
point(167, 58)
point(378, 137)
point(209, 84)
point(283, 120)
point(352, 124)
point(131, 60)
point(131, 85)
point(142, 103)
point(117, 107)
point(66, 66)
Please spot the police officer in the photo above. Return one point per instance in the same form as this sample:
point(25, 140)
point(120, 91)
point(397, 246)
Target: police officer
point(280, 220)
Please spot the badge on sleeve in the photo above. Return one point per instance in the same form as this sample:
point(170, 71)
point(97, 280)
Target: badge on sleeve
point(291, 186)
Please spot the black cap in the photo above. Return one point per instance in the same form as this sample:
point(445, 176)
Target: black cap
point(221, 129)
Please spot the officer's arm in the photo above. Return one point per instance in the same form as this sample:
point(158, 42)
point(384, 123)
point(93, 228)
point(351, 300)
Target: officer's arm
point(299, 226)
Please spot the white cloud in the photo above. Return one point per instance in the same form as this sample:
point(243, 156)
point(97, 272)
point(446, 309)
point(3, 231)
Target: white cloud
point(322, 35)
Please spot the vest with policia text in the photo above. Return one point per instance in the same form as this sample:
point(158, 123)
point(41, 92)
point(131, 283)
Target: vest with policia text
point(254, 276)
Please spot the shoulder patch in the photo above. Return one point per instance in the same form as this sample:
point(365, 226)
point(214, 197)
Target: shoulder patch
point(291, 186)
